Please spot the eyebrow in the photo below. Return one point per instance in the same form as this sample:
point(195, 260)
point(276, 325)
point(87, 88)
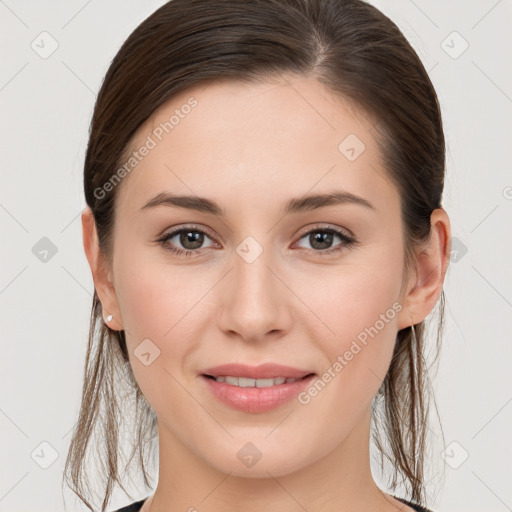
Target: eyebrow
point(296, 205)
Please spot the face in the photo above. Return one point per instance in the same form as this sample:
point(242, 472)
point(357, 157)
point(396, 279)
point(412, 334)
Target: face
point(310, 284)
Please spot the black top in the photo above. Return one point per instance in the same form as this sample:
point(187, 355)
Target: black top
point(135, 507)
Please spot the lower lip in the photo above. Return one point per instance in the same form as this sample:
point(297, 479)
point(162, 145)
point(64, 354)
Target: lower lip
point(256, 399)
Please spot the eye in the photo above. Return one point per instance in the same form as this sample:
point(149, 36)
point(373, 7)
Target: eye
point(322, 237)
point(190, 238)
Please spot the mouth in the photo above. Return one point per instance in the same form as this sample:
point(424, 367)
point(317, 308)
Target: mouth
point(255, 395)
point(247, 382)
point(243, 375)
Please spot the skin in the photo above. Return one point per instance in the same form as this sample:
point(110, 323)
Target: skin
point(251, 148)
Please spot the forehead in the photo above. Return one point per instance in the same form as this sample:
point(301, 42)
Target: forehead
point(275, 110)
point(282, 137)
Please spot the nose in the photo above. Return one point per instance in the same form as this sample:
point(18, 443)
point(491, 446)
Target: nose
point(254, 300)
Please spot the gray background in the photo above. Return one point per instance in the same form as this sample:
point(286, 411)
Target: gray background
point(45, 298)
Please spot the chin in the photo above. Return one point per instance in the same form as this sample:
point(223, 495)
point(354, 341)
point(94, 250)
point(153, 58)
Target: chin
point(258, 466)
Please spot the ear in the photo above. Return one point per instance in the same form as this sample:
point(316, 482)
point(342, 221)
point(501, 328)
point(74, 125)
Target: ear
point(432, 261)
point(101, 273)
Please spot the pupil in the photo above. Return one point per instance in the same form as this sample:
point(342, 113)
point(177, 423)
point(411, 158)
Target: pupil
point(191, 236)
point(325, 240)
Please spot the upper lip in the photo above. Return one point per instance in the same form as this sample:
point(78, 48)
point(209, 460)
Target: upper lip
point(263, 371)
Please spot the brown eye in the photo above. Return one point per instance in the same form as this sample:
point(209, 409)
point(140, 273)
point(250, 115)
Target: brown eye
point(189, 238)
point(321, 240)
point(194, 238)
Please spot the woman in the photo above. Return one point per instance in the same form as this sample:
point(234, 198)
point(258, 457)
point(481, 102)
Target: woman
point(266, 237)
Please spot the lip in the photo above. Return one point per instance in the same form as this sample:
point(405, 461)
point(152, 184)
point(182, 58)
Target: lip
point(263, 371)
point(256, 400)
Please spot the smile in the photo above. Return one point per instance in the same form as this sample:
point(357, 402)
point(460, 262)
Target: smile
point(244, 382)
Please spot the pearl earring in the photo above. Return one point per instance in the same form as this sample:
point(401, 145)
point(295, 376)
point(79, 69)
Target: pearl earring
point(109, 318)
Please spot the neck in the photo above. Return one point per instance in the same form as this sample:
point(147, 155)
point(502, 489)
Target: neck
point(339, 480)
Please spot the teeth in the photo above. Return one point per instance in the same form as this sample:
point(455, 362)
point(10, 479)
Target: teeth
point(244, 382)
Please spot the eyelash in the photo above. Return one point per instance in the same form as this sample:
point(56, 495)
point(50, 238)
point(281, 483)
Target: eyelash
point(348, 241)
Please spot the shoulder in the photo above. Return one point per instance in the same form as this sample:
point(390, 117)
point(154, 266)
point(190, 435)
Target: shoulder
point(133, 507)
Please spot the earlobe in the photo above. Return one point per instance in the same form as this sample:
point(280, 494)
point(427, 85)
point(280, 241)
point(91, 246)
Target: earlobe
point(100, 271)
point(432, 265)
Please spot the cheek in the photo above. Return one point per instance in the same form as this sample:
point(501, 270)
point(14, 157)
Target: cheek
point(165, 304)
point(355, 295)
point(156, 297)
point(360, 306)
point(161, 306)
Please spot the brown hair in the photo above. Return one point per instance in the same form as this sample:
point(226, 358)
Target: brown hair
point(359, 54)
